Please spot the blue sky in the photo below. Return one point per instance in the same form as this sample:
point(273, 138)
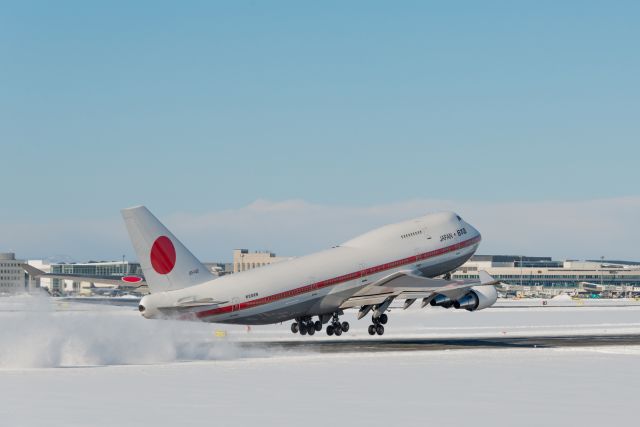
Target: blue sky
point(200, 107)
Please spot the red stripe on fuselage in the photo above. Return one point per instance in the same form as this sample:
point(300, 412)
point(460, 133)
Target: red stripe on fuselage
point(337, 280)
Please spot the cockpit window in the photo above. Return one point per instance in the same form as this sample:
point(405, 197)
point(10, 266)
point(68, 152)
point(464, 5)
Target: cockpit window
point(458, 216)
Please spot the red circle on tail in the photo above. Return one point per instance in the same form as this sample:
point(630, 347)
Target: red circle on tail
point(163, 255)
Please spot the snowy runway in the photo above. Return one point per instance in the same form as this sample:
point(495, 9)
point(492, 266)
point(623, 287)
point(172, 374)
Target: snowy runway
point(73, 366)
point(378, 344)
point(483, 387)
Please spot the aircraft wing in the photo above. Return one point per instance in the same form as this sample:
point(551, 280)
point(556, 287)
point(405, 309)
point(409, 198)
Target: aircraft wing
point(411, 286)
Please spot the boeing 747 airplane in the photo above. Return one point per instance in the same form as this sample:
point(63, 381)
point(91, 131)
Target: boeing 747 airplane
point(396, 262)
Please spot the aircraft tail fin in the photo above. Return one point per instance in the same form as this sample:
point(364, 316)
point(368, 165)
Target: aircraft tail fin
point(166, 263)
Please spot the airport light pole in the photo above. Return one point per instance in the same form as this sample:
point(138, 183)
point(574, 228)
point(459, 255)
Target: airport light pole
point(521, 272)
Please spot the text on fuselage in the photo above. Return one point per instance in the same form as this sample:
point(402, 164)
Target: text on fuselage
point(457, 233)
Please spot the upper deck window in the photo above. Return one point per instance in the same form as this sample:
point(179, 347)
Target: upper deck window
point(415, 233)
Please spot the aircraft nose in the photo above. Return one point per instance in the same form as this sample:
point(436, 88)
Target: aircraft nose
point(474, 231)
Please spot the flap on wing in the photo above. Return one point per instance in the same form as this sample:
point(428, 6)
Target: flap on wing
point(365, 300)
point(409, 280)
point(403, 284)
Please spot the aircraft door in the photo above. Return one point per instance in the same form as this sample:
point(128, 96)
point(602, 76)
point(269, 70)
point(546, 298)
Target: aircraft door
point(235, 304)
point(312, 285)
point(364, 279)
point(426, 234)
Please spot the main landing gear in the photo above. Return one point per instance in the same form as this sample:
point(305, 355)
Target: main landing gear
point(336, 327)
point(306, 326)
point(377, 327)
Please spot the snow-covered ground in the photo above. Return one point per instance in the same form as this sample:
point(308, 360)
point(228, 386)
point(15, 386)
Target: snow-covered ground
point(79, 365)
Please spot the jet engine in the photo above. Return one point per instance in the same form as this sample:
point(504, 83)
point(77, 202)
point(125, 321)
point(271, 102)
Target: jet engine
point(478, 298)
point(441, 301)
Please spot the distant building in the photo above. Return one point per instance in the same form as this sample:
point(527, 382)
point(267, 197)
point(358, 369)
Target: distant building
point(490, 261)
point(219, 268)
point(39, 282)
point(93, 269)
point(527, 275)
point(244, 260)
point(12, 276)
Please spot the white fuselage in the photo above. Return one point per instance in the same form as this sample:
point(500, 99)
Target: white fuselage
point(319, 283)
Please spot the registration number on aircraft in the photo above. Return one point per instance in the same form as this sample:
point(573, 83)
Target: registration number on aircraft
point(449, 236)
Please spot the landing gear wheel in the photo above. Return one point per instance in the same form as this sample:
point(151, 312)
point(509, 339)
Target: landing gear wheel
point(318, 325)
point(303, 329)
point(372, 330)
point(294, 327)
point(379, 329)
point(311, 331)
point(384, 319)
point(335, 326)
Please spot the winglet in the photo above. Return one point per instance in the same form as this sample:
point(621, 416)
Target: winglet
point(487, 279)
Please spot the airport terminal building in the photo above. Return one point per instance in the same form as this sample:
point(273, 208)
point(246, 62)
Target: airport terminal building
point(105, 269)
point(543, 275)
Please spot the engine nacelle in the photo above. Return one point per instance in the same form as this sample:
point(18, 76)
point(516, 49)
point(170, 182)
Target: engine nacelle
point(478, 298)
point(441, 301)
